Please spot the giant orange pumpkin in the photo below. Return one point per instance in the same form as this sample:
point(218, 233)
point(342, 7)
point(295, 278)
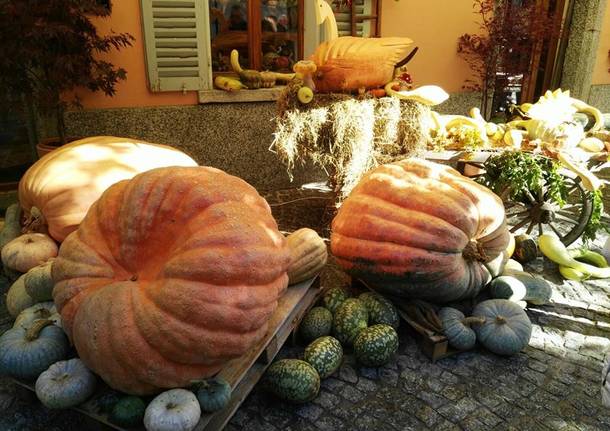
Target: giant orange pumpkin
point(58, 189)
point(170, 275)
point(419, 229)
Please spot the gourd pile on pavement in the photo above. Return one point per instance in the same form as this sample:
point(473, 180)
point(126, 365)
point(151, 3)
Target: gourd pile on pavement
point(410, 229)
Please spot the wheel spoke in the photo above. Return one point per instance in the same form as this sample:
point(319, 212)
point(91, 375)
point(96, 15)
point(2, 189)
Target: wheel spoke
point(518, 214)
point(519, 225)
point(530, 196)
point(530, 228)
point(566, 219)
point(540, 231)
point(555, 230)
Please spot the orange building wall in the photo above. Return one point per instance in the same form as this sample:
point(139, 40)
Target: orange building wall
point(132, 92)
point(434, 26)
point(601, 75)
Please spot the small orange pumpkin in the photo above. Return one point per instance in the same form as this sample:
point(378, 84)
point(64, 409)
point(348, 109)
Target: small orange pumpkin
point(56, 191)
point(415, 228)
point(170, 275)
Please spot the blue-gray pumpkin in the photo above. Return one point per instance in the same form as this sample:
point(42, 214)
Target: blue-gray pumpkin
point(25, 353)
point(65, 384)
point(506, 329)
point(457, 328)
point(214, 394)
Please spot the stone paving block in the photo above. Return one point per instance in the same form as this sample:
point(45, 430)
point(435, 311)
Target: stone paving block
point(487, 417)
point(428, 416)
point(369, 373)
point(309, 411)
point(433, 400)
point(331, 423)
point(348, 374)
point(388, 377)
point(452, 392)
point(326, 400)
point(473, 424)
point(352, 394)
point(366, 385)
point(459, 410)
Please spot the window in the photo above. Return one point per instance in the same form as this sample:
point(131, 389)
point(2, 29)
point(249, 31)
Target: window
point(267, 33)
point(187, 41)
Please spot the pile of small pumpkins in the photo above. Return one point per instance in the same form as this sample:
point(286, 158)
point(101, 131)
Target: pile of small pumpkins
point(166, 270)
point(154, 271)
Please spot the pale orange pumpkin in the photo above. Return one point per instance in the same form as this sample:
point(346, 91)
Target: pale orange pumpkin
point(170, 275)
point(56, 191)
point(420, 229)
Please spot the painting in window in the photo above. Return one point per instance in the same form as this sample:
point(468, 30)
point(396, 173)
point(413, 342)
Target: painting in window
point(228, 31)
point(280, 31)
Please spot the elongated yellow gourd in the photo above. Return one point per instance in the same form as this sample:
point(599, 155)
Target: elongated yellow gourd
point(572, 274)
point(590, 257)
point(551, 246)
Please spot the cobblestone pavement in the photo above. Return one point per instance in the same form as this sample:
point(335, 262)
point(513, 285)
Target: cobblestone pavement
point(554, 384)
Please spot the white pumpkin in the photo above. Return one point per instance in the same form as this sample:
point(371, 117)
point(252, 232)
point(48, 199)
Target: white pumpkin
point(42, 310)
point(173, 410)
point(65, 384)
point(17, 299)
point(27, 251)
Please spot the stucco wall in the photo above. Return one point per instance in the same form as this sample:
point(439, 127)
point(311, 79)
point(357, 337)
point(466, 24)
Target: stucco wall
point(601, 75)
point(434, 26)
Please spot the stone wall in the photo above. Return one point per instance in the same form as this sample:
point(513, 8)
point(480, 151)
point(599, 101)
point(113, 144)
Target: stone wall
point(234, 137)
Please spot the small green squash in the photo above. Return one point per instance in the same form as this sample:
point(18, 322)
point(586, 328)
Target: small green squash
point(42, 310)
point(526, 249)
point(316, 323)
point(380, 309)
point(65, 384)
point(350, 319)
point(325, 355)
point(17, 298)
point(333, 298)
point(39, 283)
point(521, 286)
point(24, 354)
point(128, 412)
point(173, 410)
point(12, 225)
point(106, 402)
point(292, 380)
point(376, 345)
point(456, 328)
point(507, 329)
point(214, 394)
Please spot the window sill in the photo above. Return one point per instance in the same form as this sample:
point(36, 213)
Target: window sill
point(221, 96)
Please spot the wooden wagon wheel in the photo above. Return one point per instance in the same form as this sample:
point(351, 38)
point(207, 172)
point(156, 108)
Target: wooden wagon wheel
point(538, 214)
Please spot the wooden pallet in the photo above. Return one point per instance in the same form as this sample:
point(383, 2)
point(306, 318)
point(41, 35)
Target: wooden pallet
point(434, 346)
point(244, 372)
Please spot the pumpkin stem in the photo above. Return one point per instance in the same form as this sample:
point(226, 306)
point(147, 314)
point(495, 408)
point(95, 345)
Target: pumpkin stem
point(35, 222)
point(474, 251)
point(500, 320)
point(473, 320)
point(34, 331)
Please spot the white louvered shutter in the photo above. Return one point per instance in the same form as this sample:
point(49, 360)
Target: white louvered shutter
point(344, 19)
point(176, 37)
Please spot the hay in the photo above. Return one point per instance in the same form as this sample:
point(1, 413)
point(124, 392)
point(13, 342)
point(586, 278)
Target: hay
point(348, 136)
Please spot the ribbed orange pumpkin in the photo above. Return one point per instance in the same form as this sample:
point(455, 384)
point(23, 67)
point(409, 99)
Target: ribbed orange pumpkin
point(170, 275)
point(419, 229)
point(57, 190)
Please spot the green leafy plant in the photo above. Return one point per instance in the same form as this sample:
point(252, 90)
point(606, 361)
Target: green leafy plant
point(521, 177)
point(515, 175)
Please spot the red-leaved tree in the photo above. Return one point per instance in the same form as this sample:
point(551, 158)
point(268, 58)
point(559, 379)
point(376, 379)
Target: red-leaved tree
point(50, 47)
point(510, 34)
